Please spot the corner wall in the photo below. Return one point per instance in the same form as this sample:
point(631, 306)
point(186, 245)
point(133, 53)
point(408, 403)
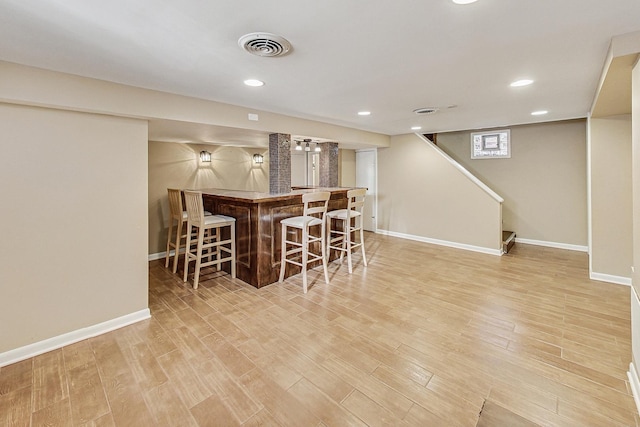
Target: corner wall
point(423, 196)
point(635, 154)
point(611, 247)
point(173, 165)
point(635, 275)
point(543, 183)
point(74, 223)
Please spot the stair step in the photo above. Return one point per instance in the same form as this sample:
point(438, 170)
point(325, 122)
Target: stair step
point(508, 240)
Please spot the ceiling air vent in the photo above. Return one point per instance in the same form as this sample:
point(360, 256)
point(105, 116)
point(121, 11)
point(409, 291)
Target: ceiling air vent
point(427, 110)
point(264, 44)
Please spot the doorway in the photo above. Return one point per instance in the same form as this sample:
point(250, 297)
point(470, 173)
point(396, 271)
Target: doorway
point(313, 169)
point(367, 176)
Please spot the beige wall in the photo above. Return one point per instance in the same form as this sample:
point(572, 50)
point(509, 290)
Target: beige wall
point(74, 222)
point(347, 169)
point(611, 201)
point(543, 183)
point(635, 278)
point(421, 194)
point(635, 185)
point(174, 165)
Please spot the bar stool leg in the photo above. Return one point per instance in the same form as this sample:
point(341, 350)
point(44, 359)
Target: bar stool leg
point(196, 274)
point(347, 238)
point(344, 239)
point(217, 235)
point(305, 248)
point(170, 231)
point(325, 254)
point(364, 257)
point(208, 238)
point(233, 250)
point(328, 242)
point(187, 251)
point(330, 232)
point(283, 250)
point(179, 228)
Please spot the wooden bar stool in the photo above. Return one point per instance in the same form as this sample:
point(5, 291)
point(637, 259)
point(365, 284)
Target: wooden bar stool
point(177, 217)
point(340, 240)
point(210, 245)
point(315, 208)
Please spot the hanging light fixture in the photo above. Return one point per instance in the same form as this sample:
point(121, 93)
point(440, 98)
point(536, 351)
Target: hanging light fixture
point(298, 146)
point(205, 156)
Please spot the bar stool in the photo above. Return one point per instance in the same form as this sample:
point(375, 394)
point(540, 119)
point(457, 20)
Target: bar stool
point(315, 208)
point(355, 203)
point(177, 215)
point(209, 246)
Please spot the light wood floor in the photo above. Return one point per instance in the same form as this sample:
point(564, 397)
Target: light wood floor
point(422, 337)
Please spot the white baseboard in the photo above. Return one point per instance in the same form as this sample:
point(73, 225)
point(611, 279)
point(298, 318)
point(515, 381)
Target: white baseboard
point(556, 245)
point(31, 350)
point(455, 245)
point(619, 280)
point(160, 255)
point(632, 374)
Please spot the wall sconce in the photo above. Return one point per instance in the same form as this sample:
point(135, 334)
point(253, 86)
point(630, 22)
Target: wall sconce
point(298, 146)
point(258, 159)
point(307, 148)
point(318, 149)
point(205, 157)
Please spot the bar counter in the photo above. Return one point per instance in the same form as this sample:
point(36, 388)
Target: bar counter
point(258, 217)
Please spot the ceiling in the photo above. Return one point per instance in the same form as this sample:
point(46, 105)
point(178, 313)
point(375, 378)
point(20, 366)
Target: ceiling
point(385, 57)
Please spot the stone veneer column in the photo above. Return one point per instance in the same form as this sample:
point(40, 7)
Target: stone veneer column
point(279, 163)
point(329, 164)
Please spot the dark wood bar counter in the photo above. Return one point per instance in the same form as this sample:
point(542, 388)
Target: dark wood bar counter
point(258, 217)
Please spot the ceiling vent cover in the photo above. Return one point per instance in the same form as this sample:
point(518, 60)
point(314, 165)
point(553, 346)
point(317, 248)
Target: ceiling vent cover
point(427, 110)
point(264, 44)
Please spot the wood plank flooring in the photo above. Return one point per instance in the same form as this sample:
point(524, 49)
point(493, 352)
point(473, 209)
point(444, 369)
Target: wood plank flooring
point(423, 336)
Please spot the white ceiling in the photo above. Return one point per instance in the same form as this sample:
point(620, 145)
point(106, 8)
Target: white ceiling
point(388, 57)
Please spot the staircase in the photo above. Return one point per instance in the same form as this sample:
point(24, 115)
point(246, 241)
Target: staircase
point(508, 240)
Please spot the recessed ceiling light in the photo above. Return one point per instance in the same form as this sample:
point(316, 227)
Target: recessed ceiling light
point(416, 127)
point(523, 82)
point(539, 113)
point(364, 113)
point(464, 1)
point(254, 82)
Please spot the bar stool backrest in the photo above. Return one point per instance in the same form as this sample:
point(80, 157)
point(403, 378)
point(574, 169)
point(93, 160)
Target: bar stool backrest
point(195, 209)
point(356, 200)
point(175, 203)
point(315, 204)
